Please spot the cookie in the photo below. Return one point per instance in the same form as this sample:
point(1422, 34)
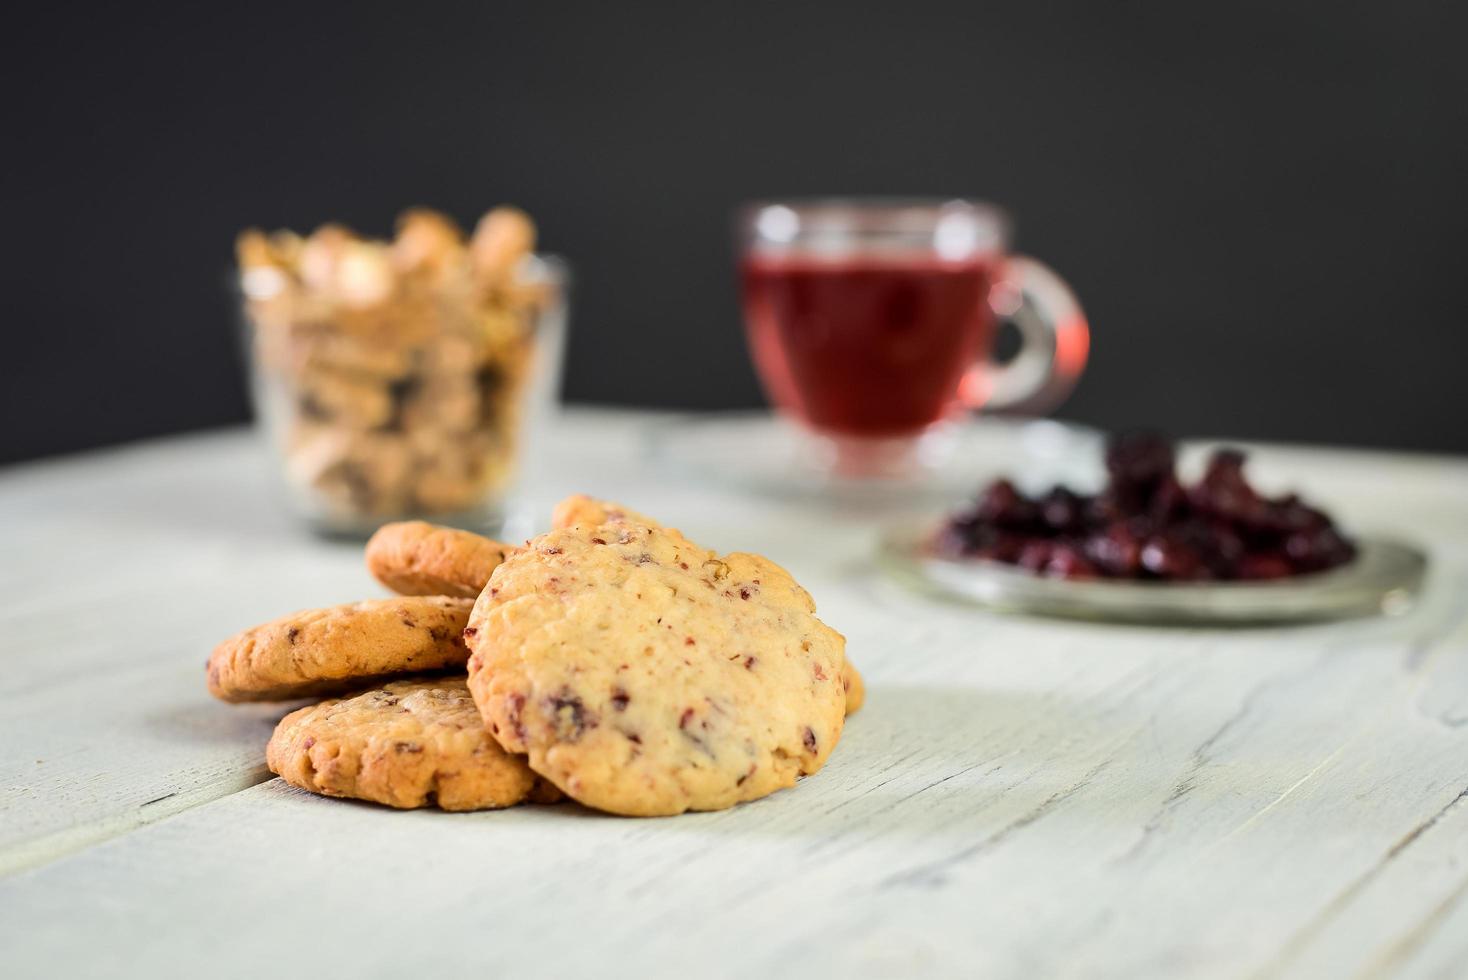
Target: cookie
point(644, 675)
point(584, 510)
point(856, 688)
point(580, 509)
point(407, 744)
point(326, 651)
point(417, 558)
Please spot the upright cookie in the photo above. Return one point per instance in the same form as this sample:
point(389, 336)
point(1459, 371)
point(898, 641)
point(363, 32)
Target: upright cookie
point(326, 651)
point(856, 688)
point(645, 675)
point(408, 744)
point(582, 510)
point(417, 558)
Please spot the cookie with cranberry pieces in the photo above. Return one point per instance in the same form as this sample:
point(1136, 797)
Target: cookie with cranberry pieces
point(407, 744)
point(645, 675)
point(418, 558)
point(328, 651)
point(583, 510)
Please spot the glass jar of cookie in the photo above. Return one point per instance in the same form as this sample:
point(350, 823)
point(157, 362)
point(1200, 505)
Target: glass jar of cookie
point(402, 378)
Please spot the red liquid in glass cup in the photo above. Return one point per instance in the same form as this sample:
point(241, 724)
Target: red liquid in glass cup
point(867, 345)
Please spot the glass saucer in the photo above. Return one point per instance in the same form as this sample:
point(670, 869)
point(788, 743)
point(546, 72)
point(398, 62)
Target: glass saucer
point(1384, 579)
point(761, 453)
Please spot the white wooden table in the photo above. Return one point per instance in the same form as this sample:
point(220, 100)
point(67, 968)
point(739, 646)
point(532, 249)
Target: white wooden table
point(1019, 798)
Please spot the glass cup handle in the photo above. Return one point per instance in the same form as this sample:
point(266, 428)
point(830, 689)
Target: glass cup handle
point(1055, 340)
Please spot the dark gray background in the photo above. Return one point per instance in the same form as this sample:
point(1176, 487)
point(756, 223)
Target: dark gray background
point(1262, 205)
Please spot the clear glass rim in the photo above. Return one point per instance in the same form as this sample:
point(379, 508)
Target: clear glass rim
point(785, 222)
point(553, 268)
point(546, 268)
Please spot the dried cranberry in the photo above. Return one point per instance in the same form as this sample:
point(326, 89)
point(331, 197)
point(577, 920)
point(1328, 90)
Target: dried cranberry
point(1289, 514)
point(1146, 524)
point(1163, 557)
point(569, 715)
point(1263, 566)
point(1035, 556)
point(1224, 492)
point(1220, 546)
point(1116, 551)
point(1001, 546)
point(1226, 464)
point(952, 541)
point(1062, 510)
point(1003, 506)
point(1317, 550)
point(1067, 562)
point(1139, 459)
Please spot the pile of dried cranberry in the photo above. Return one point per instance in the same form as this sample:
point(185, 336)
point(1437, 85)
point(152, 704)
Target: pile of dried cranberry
point(1147, 525)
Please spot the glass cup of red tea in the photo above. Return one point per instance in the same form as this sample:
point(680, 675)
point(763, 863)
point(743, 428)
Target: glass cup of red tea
point(872, 324)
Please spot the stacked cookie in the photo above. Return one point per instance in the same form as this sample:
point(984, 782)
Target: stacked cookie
point(611, 660)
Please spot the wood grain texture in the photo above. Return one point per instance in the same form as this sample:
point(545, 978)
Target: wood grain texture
point(1018, 798)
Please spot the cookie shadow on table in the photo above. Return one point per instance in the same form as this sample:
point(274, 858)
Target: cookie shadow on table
point(894, 724)
point(922, 761)
point(503, 818)
point(904, 742)
point(205, 724)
